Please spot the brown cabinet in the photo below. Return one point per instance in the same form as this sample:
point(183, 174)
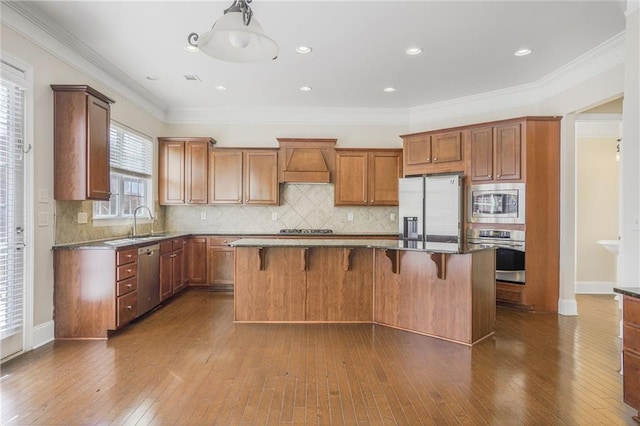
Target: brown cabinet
point(172, 267)
point(196, 260)
point(367, 177)
point(95, 291)
point(496, 153)
point(243, 177)
point(220, 263)
point(82, 118)
point(431, 152)
point(183, 168)
point(631, 351)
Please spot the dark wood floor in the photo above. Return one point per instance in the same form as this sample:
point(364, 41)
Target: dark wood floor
point(187, 363)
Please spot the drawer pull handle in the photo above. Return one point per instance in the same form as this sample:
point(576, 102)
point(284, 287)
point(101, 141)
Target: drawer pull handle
point(128, 270)
point(129, 285)
point(129, 256)
point(128, 307)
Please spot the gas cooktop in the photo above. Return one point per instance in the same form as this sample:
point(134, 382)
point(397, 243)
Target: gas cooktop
point(306, 231)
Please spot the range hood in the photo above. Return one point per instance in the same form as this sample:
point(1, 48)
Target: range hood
point(306, 160)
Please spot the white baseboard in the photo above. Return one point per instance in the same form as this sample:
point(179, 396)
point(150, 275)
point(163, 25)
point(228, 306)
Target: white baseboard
point(594, 287)
point(567, 307)
point(43, 334)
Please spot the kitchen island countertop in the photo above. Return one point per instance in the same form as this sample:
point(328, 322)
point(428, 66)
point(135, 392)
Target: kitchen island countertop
point(628, 291)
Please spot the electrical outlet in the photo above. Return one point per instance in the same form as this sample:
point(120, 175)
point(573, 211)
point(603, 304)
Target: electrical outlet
point(392, 216)
point(274, 216)
point(43, 219)
point(83, 217)
point(350, 216)
point(203, 215)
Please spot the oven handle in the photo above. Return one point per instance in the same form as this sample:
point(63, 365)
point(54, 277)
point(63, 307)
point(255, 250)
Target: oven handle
point(518, 247)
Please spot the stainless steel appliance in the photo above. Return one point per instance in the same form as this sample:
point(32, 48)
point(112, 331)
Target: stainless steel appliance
point(148, 278)
point(496, 203)
point(510, 251)
point(430, 209)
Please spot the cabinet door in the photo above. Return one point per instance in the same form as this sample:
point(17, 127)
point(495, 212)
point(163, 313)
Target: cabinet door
point(417, 151)
point(508, 159)
point(351, 178)
point(482, 154)
point(225, 177)
point(446, 147)
point(220, 266)
point(197, 260)
point(196, 172)
point(631, 379)
point(384, 170)
point(171, 173)
point(98, 168)
point(177, 267)
point(261, 178)
point(165, 276)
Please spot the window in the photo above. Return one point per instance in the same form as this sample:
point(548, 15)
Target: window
point(131, 165)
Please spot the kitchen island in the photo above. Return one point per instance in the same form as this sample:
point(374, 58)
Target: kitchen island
point(435, 289)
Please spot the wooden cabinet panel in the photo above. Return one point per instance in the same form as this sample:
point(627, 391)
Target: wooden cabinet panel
point(127, 307)
point(126, 286)
point(631, 311)
point(81, 143)
point(171, 172)
point(126, 271)
point(631, 350)
point(197, 260)
point(225, 177)
point(631, 379)
point(220, 263)
point(481, 154)
point(446, 147)
point(166, 289)
point(261, 177)
point(126, 256)
point(351, 178)
point(196, 172)
point(508, 155)
point(384, 170)
point(417, 151)
point(177, 271)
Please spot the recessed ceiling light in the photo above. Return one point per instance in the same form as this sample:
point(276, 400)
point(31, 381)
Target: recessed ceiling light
point(303, 49)
point(305, 89)
point(522, 52)
point(413, 51)
point(221, 88)
point(191, 48)
point(389, 89)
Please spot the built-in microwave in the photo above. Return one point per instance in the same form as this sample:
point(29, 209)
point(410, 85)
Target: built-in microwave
point(496, 203)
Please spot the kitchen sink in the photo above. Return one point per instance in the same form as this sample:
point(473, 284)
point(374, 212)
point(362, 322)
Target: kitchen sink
point(136, 240)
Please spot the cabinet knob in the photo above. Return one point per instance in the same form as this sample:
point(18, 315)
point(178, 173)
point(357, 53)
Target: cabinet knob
point(129, 270)
point(129, 256)
point(129, 285)
point(435, 158)
point(498, 175)
point(428, 159)
point(489, 176)
point(129, 307)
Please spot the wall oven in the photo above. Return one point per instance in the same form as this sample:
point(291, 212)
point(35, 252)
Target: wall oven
point(510, 250)
point(496, 203)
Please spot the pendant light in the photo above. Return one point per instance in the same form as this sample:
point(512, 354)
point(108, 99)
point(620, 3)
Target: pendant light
point(236, 37)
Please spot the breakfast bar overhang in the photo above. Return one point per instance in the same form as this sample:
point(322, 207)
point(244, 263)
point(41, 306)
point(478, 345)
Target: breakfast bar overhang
point(427, 288)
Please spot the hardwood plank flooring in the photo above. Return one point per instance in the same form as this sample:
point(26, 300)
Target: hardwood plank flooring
point(188, 363)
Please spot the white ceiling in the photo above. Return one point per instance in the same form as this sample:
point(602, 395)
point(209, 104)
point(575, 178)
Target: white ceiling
point(358, 48)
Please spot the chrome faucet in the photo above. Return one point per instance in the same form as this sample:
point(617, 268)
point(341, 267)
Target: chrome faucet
point(135, 223)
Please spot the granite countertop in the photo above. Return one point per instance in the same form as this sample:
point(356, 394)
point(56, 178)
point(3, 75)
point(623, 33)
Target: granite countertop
point(121, 242)
point(628, 291)
point(429, 247)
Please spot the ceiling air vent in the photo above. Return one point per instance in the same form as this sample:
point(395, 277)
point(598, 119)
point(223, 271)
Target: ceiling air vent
point(191, 77)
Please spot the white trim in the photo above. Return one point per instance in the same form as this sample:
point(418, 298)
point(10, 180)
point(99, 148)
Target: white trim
point(43, 334)
point(567, 307)
point(594, 287)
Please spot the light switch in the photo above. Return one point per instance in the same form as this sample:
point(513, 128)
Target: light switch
point(350, 216)
point(274, 216)
point(43, 219)
point(43, 195)
point(203, 215)
point(83, 217)
point(392, 216)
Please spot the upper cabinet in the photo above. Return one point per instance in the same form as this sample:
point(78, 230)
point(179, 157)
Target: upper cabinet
point(432, 152)
point(496, 153)
point(81, 143)
point(243, 177)
point(367, 177)
point(183, 167)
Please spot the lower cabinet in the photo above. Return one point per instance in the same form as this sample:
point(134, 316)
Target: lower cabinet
point(631, 351)
point(220, 263)
point(197, 261)
point(172, 267)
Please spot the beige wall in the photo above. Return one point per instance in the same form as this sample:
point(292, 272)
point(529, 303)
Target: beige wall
point(597, 208)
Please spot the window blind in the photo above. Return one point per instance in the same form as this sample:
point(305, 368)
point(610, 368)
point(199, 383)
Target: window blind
point(12, 119)
point(130, 151)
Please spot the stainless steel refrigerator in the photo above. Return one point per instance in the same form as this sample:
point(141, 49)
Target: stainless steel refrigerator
point(430, 209)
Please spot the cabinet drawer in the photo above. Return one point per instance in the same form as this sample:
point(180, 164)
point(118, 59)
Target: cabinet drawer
point(126, 271)
point(221, 241)
point(127, 306)
point(509, 295)
point(631, 310)
point(631, 340)
point(126, 256)
point(631, 379)
point(126, 286)
point(177, 244)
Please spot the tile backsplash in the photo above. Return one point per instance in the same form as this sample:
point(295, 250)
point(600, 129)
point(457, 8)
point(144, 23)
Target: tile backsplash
point(301, 206)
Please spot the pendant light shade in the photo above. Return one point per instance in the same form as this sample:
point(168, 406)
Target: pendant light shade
point(236, 37)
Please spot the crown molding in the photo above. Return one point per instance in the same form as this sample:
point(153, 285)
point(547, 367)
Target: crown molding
point(28, 21)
